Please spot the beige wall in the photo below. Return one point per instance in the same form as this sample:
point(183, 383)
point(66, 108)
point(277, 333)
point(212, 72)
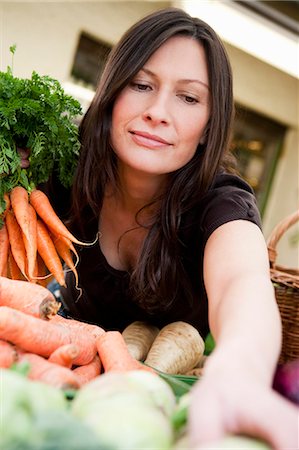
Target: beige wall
point(284, 200)
point(46, 34)
point(275, 94)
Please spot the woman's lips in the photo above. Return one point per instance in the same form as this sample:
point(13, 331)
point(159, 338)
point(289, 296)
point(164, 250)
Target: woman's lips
point(148, 140)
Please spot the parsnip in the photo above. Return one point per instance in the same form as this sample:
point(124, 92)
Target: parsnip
point(198, 370)
point(177, 348)
point(139, 337)
point(201, 362)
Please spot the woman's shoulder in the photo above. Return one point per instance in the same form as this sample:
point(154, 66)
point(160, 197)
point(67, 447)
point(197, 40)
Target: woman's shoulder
point(226, 181)
point(228, 188)
point(229, 198)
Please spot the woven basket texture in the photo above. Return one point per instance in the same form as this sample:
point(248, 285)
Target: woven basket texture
point(286, 284)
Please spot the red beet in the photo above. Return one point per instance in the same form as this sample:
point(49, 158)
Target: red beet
point(286, 380)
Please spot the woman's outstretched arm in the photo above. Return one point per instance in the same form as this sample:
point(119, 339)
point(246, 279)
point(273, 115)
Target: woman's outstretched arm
point(235, 395)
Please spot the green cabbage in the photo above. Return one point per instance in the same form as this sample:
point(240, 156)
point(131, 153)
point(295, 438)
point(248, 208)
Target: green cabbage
point(128, 410)
point(35, 416)
point(19, 395)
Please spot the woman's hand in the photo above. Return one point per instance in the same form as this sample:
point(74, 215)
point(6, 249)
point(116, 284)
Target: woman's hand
point(235, 403)
point(24, 155)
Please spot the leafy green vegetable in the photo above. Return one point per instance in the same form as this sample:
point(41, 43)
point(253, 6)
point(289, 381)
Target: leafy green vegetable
point(209, 344)
point(36, 113)
point(179, 416)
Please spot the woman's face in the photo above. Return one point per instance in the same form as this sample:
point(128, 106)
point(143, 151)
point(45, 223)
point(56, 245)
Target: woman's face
point(160, 117)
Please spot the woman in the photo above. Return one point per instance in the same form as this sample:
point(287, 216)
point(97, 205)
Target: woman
point(179, 234)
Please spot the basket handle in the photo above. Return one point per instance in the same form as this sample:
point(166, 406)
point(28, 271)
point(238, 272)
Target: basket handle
point(278, 232)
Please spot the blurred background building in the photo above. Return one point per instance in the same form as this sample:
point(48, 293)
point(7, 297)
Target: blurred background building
point(70, 40)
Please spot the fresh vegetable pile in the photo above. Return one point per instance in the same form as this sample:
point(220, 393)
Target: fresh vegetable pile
point(69, 384)
point(92, 365)
point(66, 353)
point(133, 410)
point(35, 114)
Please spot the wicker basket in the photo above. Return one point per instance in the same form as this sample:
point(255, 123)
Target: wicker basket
point(286, 283)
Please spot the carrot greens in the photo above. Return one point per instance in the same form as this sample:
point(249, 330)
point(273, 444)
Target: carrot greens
point(36, 113)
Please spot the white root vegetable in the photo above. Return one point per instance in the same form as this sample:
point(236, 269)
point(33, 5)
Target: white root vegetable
point(198, 370)
point(201, 362)
point(139, 337)
point(177, 348)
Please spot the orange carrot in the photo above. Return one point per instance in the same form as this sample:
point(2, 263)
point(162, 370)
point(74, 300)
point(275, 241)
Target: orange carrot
point(14, 271)
point(43, 277)
point(7, 206)
point(64, 247)
point(76, 326)
point(43, 337)
point(31, 333)
point(8, 354)
point(47, 251)
point(31, 247)
point(48, 372)
point(88, 371)
point(4, 249)
point(66, 242)
point(64, 355)
point(114, 354)
point(7, 201)
point(26, 218)
point(16, 242)
point(43, 207)
point(28, 297)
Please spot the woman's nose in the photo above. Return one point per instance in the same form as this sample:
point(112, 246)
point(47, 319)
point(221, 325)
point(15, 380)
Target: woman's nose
point(157, 111)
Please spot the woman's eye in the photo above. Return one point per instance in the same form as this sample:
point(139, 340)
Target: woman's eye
point(140, 86)
point(190, 100)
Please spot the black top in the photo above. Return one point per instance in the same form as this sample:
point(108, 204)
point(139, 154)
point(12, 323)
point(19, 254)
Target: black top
point(105, 299)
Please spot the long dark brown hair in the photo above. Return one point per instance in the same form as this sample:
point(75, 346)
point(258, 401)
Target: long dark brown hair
point(158, 276)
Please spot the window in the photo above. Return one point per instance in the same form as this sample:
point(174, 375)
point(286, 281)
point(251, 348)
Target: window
point(90, 58)
point(257, 142)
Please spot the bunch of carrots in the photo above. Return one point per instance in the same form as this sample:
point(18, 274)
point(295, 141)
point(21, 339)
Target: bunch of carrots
point(34, 242)
point(62, 352)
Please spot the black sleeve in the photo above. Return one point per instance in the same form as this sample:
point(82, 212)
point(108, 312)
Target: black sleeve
point(230, 198)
